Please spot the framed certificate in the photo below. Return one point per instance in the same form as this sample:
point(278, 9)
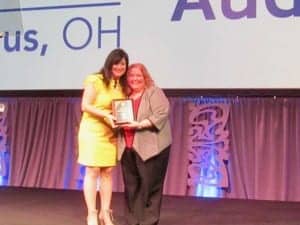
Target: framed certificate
point(123, 110)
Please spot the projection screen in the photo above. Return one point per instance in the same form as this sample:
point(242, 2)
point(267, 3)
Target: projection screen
point(185, 44)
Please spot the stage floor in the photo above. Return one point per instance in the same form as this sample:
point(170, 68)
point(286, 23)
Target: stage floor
point(26, 206)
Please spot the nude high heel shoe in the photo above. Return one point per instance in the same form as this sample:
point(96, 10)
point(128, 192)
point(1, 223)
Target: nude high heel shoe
point(106, 218)
point(92, 218)
point(101, 218)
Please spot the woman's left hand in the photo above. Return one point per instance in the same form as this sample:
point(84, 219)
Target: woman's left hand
point(131, 124)
point(138, 125)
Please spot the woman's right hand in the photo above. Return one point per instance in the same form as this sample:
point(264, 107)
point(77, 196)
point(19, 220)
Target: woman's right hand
point(111, 120)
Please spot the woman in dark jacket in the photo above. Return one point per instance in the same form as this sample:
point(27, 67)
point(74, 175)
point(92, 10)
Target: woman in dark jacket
point(143, 148)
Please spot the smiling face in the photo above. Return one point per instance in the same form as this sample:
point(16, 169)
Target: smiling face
point(119, 68)
point(136, 80)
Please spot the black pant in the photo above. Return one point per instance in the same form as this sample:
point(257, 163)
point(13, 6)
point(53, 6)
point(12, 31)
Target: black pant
point(143, 186)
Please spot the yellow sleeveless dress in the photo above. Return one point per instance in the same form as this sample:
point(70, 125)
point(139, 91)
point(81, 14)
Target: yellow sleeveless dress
point(96, 139)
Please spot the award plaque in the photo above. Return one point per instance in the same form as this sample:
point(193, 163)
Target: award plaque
point(123, 110)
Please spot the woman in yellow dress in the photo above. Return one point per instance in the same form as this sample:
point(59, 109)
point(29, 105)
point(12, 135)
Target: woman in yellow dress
point(97, 140)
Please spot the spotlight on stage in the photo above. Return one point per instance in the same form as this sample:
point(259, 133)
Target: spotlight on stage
point(2, 107)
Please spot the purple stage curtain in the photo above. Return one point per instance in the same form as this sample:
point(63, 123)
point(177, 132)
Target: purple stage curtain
point(263, 134)
point(42, 136)
point(265, 149)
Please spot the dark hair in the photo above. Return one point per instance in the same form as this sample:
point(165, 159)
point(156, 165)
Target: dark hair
point(114, 57)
